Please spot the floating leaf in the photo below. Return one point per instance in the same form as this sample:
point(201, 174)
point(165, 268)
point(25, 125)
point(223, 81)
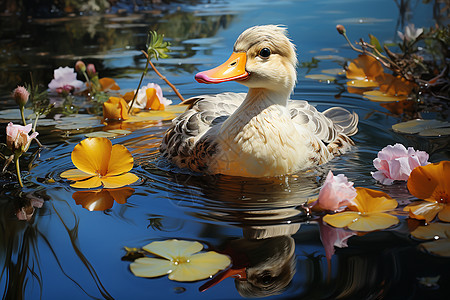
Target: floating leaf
point(336, 71)
point(76, 122)
point(395, 85)
point(321, 77)
point(365, 83)
point(379, 96)
point(100, 134)
point(420, 125)
point(119, 131)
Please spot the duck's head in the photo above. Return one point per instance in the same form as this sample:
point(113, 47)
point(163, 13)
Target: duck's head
point(263, 57)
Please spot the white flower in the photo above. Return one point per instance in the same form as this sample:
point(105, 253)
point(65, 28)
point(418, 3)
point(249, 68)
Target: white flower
point(65, 79)
point(142, 98)
point(411, 33)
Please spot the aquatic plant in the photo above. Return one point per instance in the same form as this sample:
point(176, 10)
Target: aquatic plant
point(65, 81)
point(115, 109)
point(21, 95)
point(396, 163)
point(180, 259)
point(430, 183)
point(438, 236)
point(368, 213)
point(99, 163)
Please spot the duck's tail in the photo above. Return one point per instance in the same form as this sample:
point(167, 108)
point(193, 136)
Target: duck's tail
point(345, 121)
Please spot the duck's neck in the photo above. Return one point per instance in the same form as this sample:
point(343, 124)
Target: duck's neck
point(258, 99)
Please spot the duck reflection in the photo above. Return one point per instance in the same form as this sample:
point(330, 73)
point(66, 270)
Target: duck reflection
point(269, 211)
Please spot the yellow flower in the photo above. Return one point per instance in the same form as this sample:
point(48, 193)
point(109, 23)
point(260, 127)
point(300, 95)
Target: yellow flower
point(99, 163)
point(180, 260)
point(115, 109)
point(438, 234)
point(367, 214)
point(430, 183)
point(364, 67)
point(102, 199)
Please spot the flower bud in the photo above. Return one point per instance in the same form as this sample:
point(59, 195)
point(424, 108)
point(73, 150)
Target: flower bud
point(80, 66)
point(91, 70)
point(20, 95)
point(340, 28)
point(17, 138)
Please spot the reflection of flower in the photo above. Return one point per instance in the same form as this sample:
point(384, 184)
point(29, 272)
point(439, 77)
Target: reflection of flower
point(411, 33)
point(17, 138)
point(336, 192)
point(180, 260)
point(367, 213)
point(439, 233)
point(115, 109)
point(98, 163)
point(396, 163)
point(333, 237)
point(26, 212)
point(102, 199)
point(149, 97)
point(65, 79)
point(430, 183)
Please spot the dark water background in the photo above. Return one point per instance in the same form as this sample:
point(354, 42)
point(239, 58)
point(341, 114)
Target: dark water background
point(69, 252)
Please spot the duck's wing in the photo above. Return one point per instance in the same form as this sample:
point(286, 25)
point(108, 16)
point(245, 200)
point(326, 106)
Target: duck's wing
point(203, 113)
point(329, 125)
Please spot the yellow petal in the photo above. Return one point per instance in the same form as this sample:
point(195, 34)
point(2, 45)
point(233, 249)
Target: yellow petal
point(425, 180)
point(372, 201)
point(121, 160)
point(112, 182)
point(439, 247)
point(92, 155)
point(424, 210)
point(128, 96)
point(152, 100)
point(200, 266)
point(115, 109)
point(151, 267)
point(121, 195)
point(364, 67)
point(431, 231)
point(98, 200)
point(373, 221)
point(108, 84)
point(171, 249)
point(75, 174)
point(395, 86)
point(88, 183)
point(357, 83)
point(342, 219)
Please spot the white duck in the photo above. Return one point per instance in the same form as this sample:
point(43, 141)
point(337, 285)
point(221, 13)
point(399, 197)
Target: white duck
point(261, 133)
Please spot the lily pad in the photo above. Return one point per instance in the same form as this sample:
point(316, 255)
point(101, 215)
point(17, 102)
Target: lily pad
point(362, 83)
point(14, 114)
point(423, 127)
point(101, 134)
point(336, 71)
point(321, 77)
point(119, 131)
point(76, 122)
point(379, 96)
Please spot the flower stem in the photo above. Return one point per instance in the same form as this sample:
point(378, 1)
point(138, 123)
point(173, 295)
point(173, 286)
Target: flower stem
point(139, 86)
point(164, 78)
point(22, 114)
point(16, 161)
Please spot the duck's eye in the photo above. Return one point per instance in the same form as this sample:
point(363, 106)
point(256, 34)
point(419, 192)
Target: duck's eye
point(265, 52)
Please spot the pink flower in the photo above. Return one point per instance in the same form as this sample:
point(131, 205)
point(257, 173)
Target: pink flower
point(141, 98)
point(65, 79)
point(17, 138)
point(336, 192)
point(396, 163)
point(20, 95)
point(91, 70)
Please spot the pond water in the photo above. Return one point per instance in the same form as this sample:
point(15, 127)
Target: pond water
point(73, 246)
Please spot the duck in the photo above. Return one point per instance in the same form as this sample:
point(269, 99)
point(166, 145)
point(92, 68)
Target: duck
point(261, 133)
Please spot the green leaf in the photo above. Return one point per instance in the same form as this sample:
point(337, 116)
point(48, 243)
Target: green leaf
point(156, 47)
point(374, 41)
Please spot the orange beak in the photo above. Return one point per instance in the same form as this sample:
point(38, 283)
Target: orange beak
point(239, 274)
point(232, 69)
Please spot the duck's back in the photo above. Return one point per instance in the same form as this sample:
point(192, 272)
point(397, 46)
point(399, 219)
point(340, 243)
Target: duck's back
point(191, 142)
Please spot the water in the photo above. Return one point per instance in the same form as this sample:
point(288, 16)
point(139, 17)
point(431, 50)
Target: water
point(68, 251)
